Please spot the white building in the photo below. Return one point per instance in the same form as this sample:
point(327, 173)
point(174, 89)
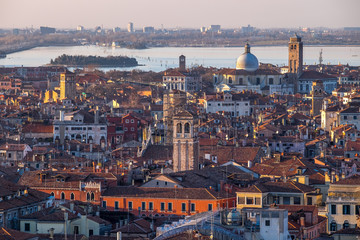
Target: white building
point(182, 79)
point(82, 126)
point(230, 103)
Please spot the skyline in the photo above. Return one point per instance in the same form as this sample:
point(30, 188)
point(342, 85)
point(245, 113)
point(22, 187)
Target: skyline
point(187, 14)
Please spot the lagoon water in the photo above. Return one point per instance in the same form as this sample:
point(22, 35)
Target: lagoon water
point(159, 59)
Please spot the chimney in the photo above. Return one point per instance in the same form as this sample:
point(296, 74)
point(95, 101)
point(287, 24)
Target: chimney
point(91, 147)
point(61, 115)
point(96, 118)
point(302, 221)
point(118, 236)
point(51, 230)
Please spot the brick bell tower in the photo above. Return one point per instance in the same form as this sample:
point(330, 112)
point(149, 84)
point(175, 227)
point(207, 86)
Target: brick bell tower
point(295, 55)
point(317, 97)
point(185, 142)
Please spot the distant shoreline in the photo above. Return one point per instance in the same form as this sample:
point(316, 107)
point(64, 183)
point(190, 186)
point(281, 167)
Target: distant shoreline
point(196, 46)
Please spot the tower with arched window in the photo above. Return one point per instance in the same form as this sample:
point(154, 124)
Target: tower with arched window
point(317, 97)
point(295, 55)
point(185, 142)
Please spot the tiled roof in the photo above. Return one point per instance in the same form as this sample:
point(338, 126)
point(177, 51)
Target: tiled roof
point(52, 214)
point(288, 186)
point(353, 180)
point(13, 147)
point(37, 128)
point(140, 226)
point(224, 154)
point(315, 75)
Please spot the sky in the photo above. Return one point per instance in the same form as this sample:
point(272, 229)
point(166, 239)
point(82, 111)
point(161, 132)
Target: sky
point(179, 13)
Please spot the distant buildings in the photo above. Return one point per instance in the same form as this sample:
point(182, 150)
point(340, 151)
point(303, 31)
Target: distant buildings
point(182, 79)
point(148, 29)
point(47, 30)
point(130, 27)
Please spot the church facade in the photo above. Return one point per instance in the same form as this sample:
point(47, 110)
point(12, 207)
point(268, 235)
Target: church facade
point(250, 77)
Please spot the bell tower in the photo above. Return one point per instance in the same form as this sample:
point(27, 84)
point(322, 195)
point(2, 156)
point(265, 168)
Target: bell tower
point(185, 142)
point(67, 85)
point(317, 97)
point(295, 55)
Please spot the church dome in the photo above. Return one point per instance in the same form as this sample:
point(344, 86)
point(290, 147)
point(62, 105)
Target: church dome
point(247, 61)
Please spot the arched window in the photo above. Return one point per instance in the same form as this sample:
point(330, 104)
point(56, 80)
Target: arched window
point(52, 194)
point(240, 81)
point(92, 196)
point(62, 196)
point(333, 226)
point(187, 128)
point(346, 224)
point(230, 79)
point(72, 196)
point(179, 128)
point(88, 196)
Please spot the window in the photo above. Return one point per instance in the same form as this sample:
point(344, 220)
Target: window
point(102, 128)
point(76, 229)
point(346, 209)
point(286, 200)
point(257, 201)
point(92, 196)
point(230, 80)
point(130, 206)
point(27, 227)
point(357, 209)
point(257, 81)
point(52, 194)
point(72, 196)
point(125, 129)
point(143, 206)
point(267, 222)
point(127, 120)
point(162, 206)
point(346, 224)
point(187, 128)
point(192, 207)
point(9, 155)
point(333, 209)
point(333, 226)
point(249, 200)
point(116, 205)
point(297, 200)
point(62, 196)
point(183, 207)
point(241, 200)
point(271, 81)
point(132, 120)
point(179, 128)
point(309, 201)
point(88, 196)
point(151, 206)
point(210, 207)
point(91, 232)
point(104, 204)
point(170, 207)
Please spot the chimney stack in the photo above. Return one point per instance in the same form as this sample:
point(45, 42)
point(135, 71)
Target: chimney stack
point(96, 118)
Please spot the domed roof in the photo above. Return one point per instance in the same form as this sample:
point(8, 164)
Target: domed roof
point(247, 61)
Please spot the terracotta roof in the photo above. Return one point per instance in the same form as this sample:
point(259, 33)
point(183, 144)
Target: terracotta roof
point(315, 75)
point(37, 128)
point(224, 154)
point(51, 214)
point(140, 226)
point(353, 180)
point(289, 186)
point(13, 147)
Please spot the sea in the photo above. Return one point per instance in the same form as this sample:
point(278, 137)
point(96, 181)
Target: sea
point(160, 59)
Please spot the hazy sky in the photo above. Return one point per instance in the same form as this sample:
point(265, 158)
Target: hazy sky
point(179, 13)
